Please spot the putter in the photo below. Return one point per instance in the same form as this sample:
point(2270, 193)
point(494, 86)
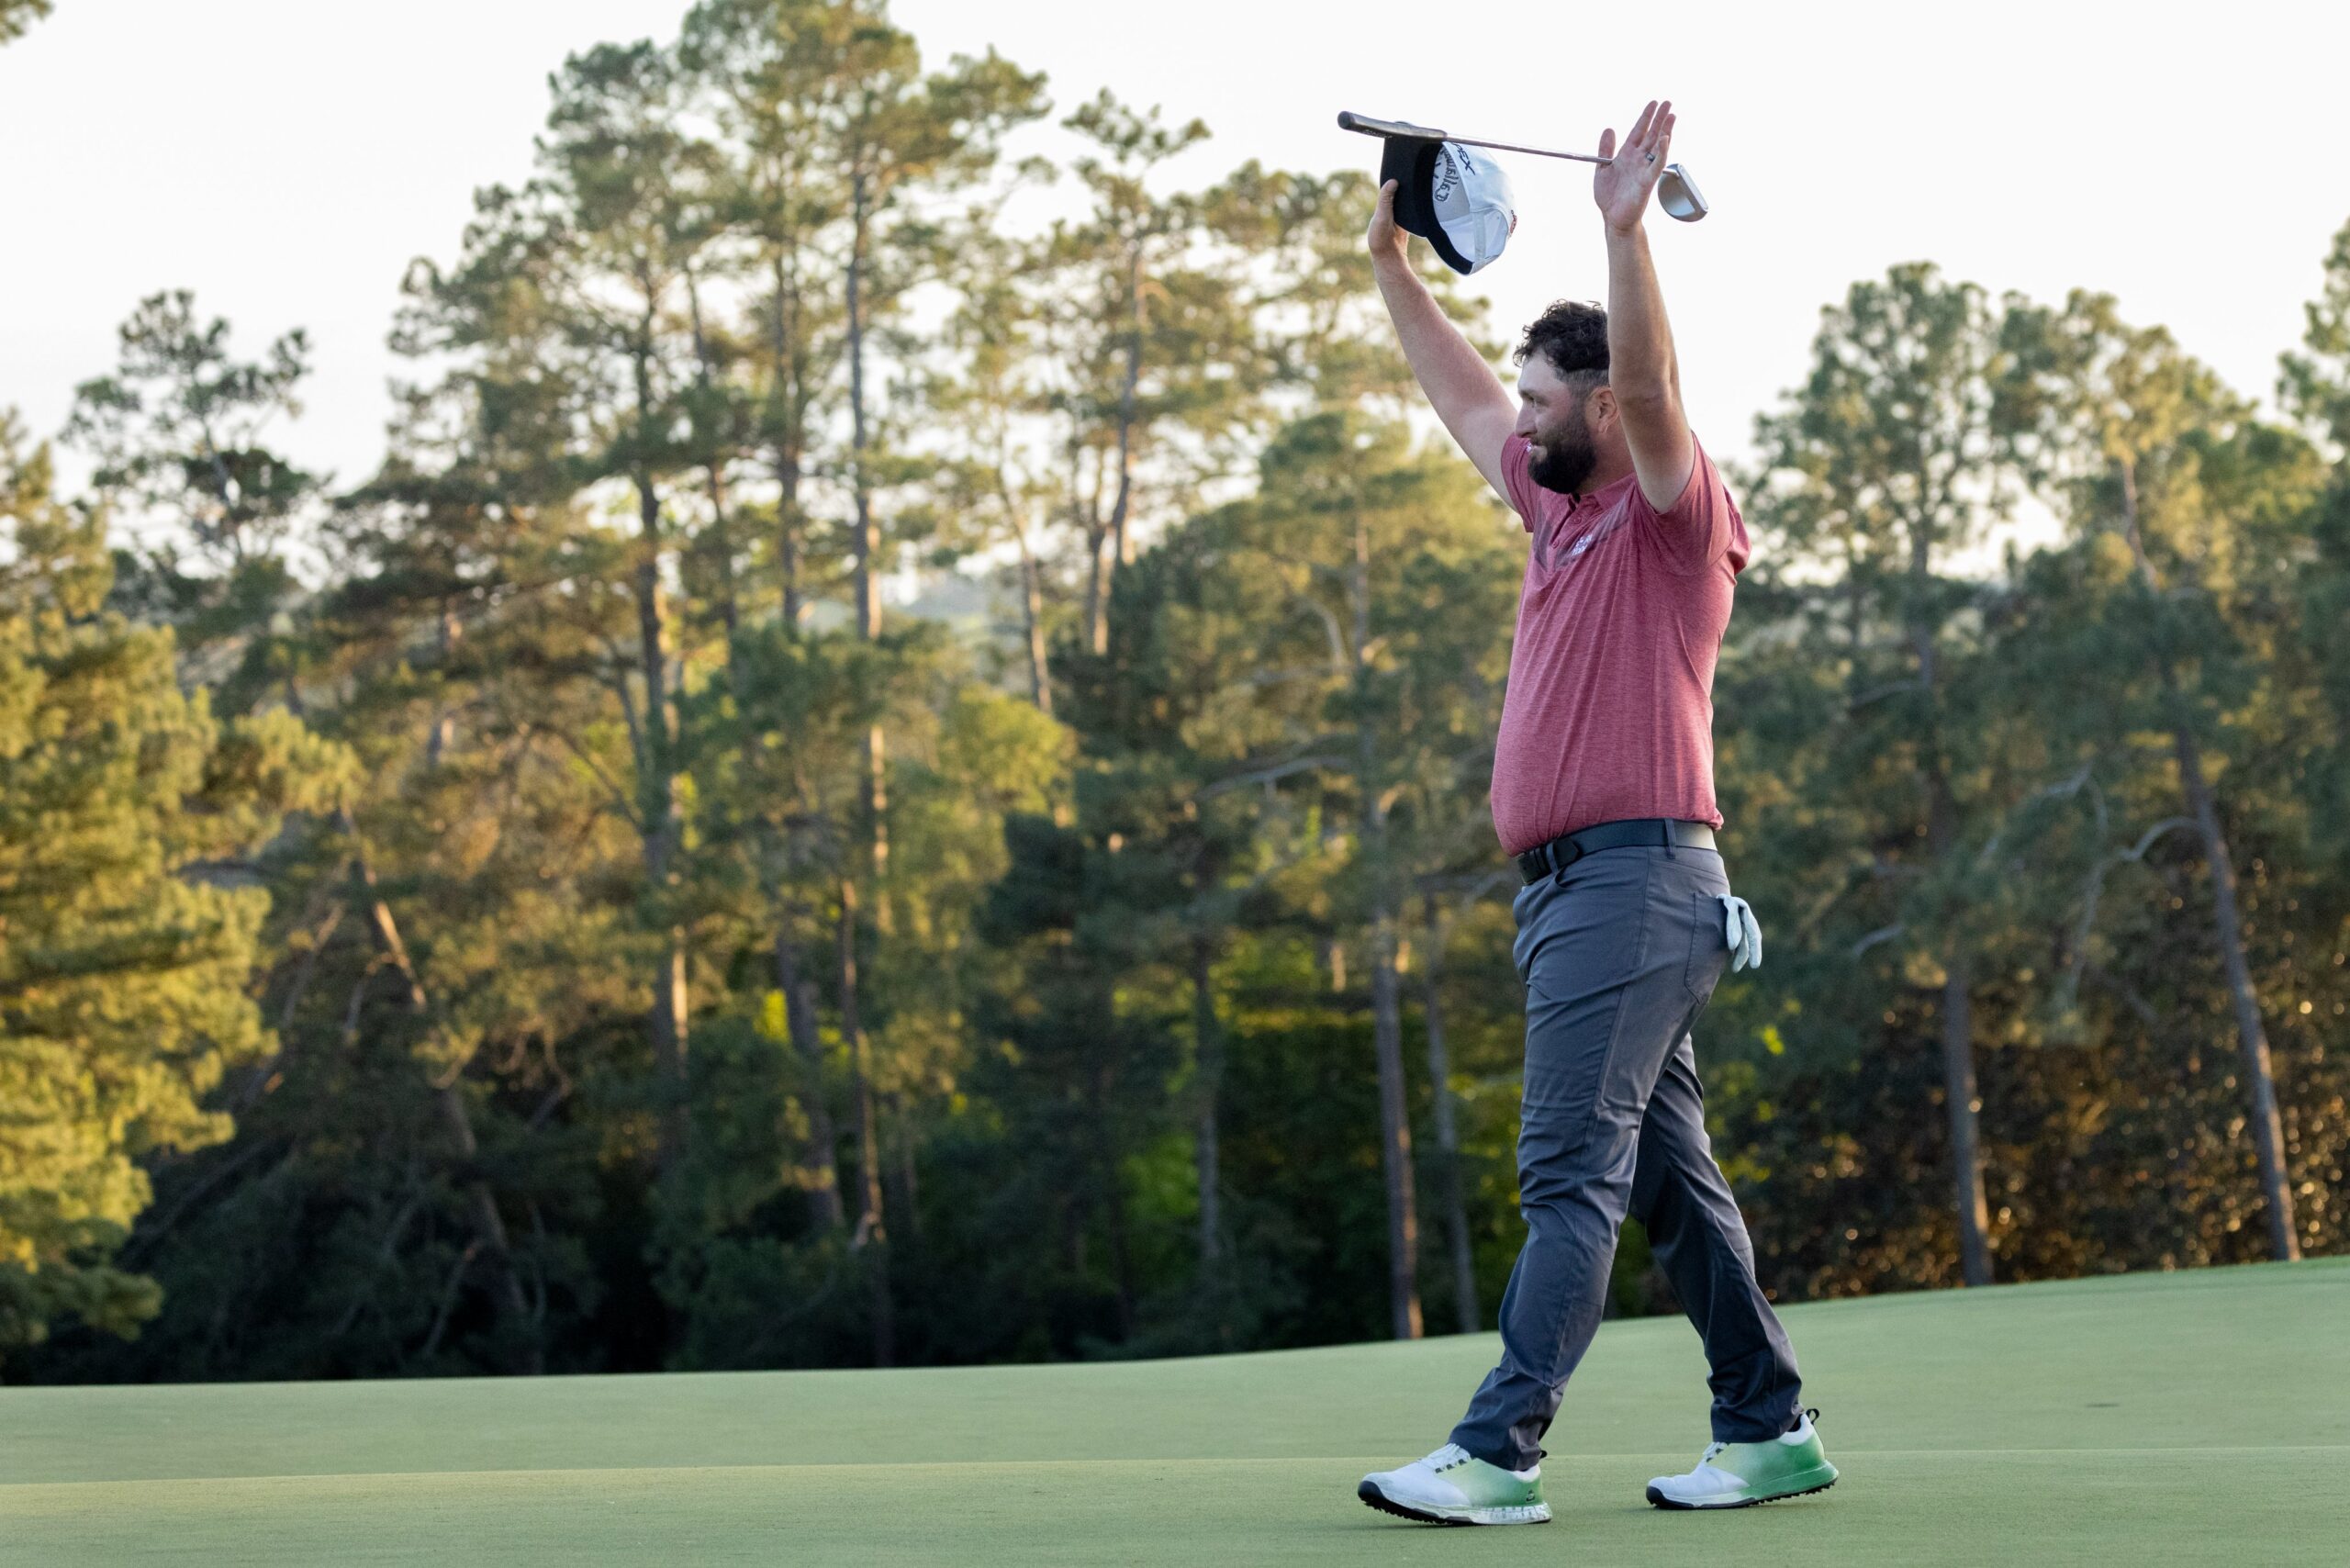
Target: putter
point(1675, 191)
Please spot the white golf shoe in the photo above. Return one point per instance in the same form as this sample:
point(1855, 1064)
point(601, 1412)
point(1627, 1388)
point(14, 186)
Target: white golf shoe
point(1737, 1475)
point(1453, 1487)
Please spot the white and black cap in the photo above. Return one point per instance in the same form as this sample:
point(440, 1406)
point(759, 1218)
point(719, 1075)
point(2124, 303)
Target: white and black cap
point(1453, 197)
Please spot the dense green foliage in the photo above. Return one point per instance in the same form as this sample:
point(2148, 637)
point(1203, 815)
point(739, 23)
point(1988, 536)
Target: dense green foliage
point(130, 914)
point(869, 782)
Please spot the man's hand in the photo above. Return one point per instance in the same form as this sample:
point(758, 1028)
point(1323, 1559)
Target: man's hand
point(1622, 187)
point(1384, 237)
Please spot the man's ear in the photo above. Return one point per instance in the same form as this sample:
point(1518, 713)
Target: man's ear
point(1601, 411)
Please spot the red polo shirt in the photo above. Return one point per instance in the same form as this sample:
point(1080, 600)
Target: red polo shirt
point(1610, 708)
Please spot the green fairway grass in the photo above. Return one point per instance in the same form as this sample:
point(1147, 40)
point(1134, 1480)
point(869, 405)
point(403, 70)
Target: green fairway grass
point(2180, 1418)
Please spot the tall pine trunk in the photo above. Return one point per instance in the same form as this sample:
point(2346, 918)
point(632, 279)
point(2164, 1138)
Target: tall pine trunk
point(2252, 1035)
point(1207, 1036)
point(1097, 590)
point(1395, 1133)
point(784, 382)
point(713, 458)
point(1122, 552)
point(1963, 1105)
point(1085, 510)
point(449, 1105)
point(864, 548)
point(820, 1175)
point(1447, 1132)
point(867, 589)
point(871, 1236)
point(1386, 1009)
point(660, 810)
point(2227, 920)
point(1031, 605)
point(662, 830)
point(871, 1231)
point(1961, 1101)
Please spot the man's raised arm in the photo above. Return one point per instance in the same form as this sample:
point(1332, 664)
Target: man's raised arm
point(1467, 395)
point(1643, 369)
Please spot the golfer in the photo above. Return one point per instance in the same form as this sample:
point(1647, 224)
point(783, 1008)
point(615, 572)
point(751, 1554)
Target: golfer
point(1604, 791)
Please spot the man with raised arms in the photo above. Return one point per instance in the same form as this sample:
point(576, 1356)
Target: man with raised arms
point(1603, 792)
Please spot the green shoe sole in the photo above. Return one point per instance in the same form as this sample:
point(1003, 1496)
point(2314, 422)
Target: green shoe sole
point(1803, 1484)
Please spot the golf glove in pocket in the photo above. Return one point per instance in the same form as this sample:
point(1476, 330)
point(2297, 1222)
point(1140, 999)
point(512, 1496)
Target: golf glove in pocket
point(1743, 934)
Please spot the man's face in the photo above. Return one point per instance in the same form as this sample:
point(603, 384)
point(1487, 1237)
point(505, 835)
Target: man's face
point(1552, 415)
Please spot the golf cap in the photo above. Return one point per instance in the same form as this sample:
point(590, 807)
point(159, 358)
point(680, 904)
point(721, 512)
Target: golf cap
point(1456, 199)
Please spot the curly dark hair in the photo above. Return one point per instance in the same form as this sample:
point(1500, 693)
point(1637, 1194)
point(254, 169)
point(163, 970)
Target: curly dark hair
point(1572, 335)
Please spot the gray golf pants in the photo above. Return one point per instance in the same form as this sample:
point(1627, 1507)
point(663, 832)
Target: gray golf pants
point(1620, 953)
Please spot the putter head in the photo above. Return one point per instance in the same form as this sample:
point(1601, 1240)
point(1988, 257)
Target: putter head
point(1679, 196)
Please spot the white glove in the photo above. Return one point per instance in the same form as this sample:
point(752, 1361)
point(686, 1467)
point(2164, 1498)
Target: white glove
point(1741, 930)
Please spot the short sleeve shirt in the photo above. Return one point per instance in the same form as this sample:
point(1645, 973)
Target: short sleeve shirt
point(1609, 712)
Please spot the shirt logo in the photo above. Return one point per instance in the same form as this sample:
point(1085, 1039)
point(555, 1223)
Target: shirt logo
point(1574, 553)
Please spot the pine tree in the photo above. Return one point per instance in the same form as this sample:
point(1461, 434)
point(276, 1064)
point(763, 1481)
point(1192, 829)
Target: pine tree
point(2129, 432)
point(129, 921)
point(1890, 447)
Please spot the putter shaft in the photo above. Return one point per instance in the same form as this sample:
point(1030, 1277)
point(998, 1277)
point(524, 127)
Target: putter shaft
point(1537, 151)
point(1406, 132)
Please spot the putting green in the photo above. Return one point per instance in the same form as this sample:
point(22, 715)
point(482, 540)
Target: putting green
point(2181, 1418)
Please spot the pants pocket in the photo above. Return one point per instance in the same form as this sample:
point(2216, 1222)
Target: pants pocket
point(1708, 953)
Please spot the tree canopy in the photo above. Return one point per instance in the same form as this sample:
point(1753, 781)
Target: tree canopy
point(892, 764)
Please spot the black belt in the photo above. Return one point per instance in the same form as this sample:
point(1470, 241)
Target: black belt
point(1546, 860)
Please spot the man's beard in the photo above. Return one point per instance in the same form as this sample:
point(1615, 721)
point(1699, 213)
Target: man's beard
point(1567, 456)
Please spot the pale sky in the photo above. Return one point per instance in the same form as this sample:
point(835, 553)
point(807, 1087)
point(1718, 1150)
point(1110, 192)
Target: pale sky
point(286, 160)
